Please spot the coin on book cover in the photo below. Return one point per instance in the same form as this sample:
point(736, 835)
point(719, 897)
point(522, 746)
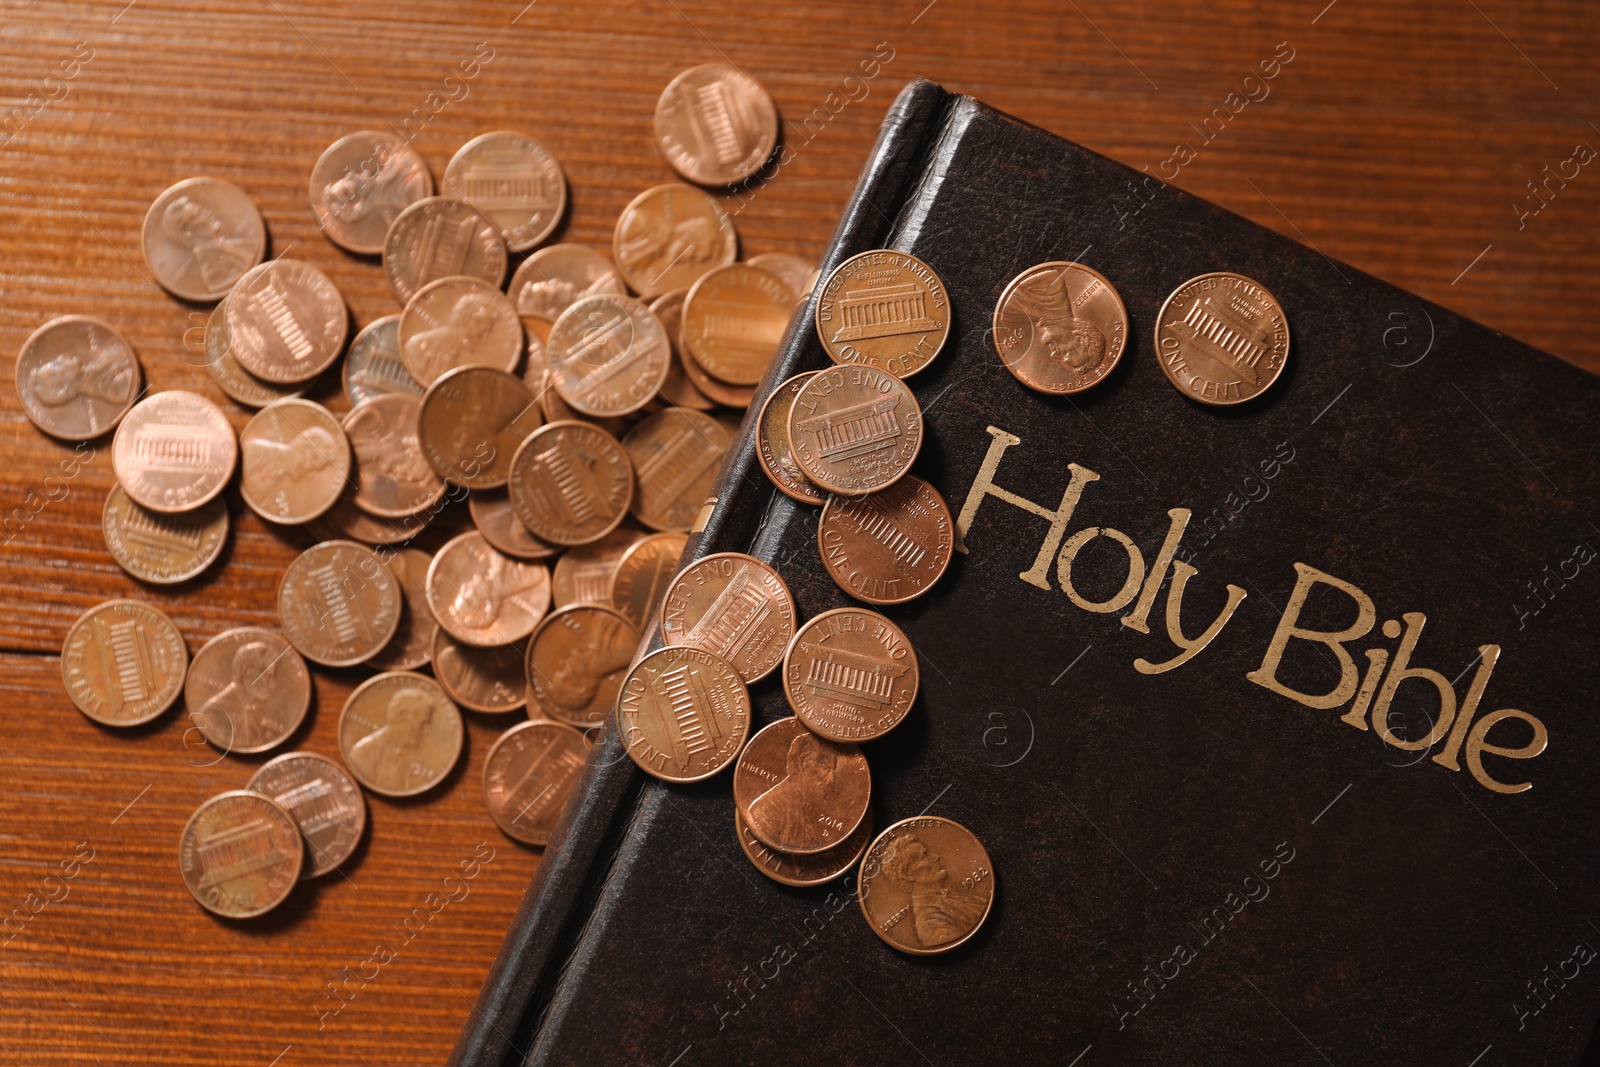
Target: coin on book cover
point(1222, 339)
point(400, 734)
point(850, 674)
point(528, 775)
point(455, 321)
point(788, 268)
point(360, 185)
point(238, 384)
point(338, 604)
point(883, 309)
point(570, 483)
point(855, 430)
point(733, 319)
point(200, 236)
point(247, 690)
point(643, 573)
point(483, 597)
point(123, 663)
point(716, 125)
point(798, 869)
point(552, 279)
point(575, 662)
point(1060, 327)
point(412, 643)
point(163, 549)
point(583, 574)
point(324, 802)
point(683, 714)
point(373, 365)
point(240, 854)
point(670, 235)
point(890, 546)
point(441, 237)
point(489, 680)
point(926, 885)
point(800, 793)
point(676, 389)
point(734, 605)
point(287, 322)
point(174, 451)
point(676, 454)
point(772, 443)
point(472, 421)
point(295, 461)
point(607, 355)
point(513, 179)
point(494, 517)
point(393, 478)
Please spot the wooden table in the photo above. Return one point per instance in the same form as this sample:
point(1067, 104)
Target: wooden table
point(1399, 137)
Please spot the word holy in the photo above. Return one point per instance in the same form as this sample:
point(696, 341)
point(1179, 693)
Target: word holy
point(1255, 91)
point(1539, 196)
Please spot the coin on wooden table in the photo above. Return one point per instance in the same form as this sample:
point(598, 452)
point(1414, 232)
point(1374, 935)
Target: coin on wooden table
point(441, 237)
point(643, 574)
point(494, 517)
point(772, 443)
point(789, 268)
point(816, 868)
point(200, 236)
point(1060, 327)
point(174, 451)
point(325, 803)
point(400, 734)
point(734, 605)
point(733, 319)
point(163, 549)
point(394, 478)
point(850, 675)
point(76, 377)
point(455, 321)
point(412, 644)
point(575, 663)
point(571, 483)
point(345, 520)
point(676, 389)
point(296, 461)
point(1222, 338)
point(552, 279)
point(584, 573)
point(373, 366)
point(800, 793)
point(514, 180)
point(472, 421)
point(247, 690)
point(716, 125)
point(670, 235)
point(883, 309)
point(528, 775)
point(676, 454)
point(238, 384)
point(683, 713)
point(489, 680)
point(608, 355)
point(361, 184)
point(855, 430)
point(926, 885)
point(286, 321)
point(338, 603)
point(887, 547)
point(240, 854)
point(483, 597)
point(123, 663)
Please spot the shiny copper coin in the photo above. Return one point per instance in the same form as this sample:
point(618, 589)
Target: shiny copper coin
point(642, 576)
point(238, 384)
point(676, 455)
point(361, 184)
point(683, 714)
point(325, 803)
point(772, 443)
point(338, 603)
point(489, 680)
point(800, 793)
point(733, 396)
point(483, 597)
point(557, 410)
point(441, 238)
point(345, 520)
point(286, 321)
point(584, 573)
point(890, 546)
point(571, 483)
point(788, 268)
point(373, 365)
point(816, 868)
point(608, 355)
point(536, 361)
point(247, 690)
point(163, 549)
point(494, 517)
point(296, 461)
point(553, 279)
point(123, 663)
point(514, 180)
point(174, 451)
point(76, 377)
point(455, 321)
point(575, 663)
point(200, 236)
point(400, 734)
point(240, 854)
point(1222, 339)
point(850, 675)
point(394, 478)
point(668, 236)
point(715, 125)
point(472, 421)
point(855, 430)
point(412, 644)
point(733, 319)
point(733, 605)
point(676, 389)
point(1060, 327)
point(528, 775)
point(926, 885)
point(883, 309)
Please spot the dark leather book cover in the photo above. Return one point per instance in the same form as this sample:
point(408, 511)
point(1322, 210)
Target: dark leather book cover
point(1292, 762)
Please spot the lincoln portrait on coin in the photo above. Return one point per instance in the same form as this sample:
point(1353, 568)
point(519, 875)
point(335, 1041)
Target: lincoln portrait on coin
point(788, 811)
point(219, 256)
point(457, 340)
point(233, 714)
point(388, 755)
point(1058, 334)
point(939, 912)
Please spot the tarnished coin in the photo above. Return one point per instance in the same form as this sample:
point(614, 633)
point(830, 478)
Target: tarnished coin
point(676, 389)
point(286, 321)
point(850, 675)
point(788, 268)
point(123, 663)
point(584, 573)
point(76, 377)
point(817, 868)
point(412, 644)
point(494, 517)
point(553, 279)
point(715, 125)
point(800, 793)
point(514, 180)
point(238, 384)
point(483, 679)
point(883, 309)
point(174, 451)
point(608, 355)
point(1222, 339)
point(676, 455)
point(734, 605)
point(670, 235)
point(442, 237)
point(400, 734)
point(571, 483)
point(163, 549)
point(373, 366)
point(200, 236)
point(733, 319)
point(325, 803)
point(1060, 327)
point(528, 776)
point(887, 547)
point(575, 662)
point(926, 885)
point(455, 321)
point(361, 184)
point(394, 478)
point(483, 597)
point(345, 520)
point(247, 690)
point(338, 604)
point(683, 714)
point(772, 443)
point(643, 574)
point(296, 461)
point(855, 430)
point(472, 421)
point(240, 854)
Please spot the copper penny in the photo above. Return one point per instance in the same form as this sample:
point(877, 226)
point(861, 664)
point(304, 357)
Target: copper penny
point(472, 421)
point(816, 868)
point(296, 461)
point(325, 803)
point(412, 644)
point(668, 236)
point(608, 355)
point(514, 180)
point(489, 680)
point(571, 483)
point(584, 573)
point(676, 388)
point(1222, 339)
point(855, 430)
point(715, 125)
point(850, 675)
point(399, 734)
point(236, 383)
point(733, 396)
point(441, 237)
point(373, 365)
point(455, 321)
point(772, 443)
point(733, 319)
point(286, 321)
point(676, 455)
point(174, 451)
point(345, 520)
point(247, 690)
point(536, 361)
point(361, 184)
point(123, 663)
point(576, 661)
point(76, 377)
point(553, 279)
point(394, 478)
point(528, 776)
point(163, 549)
point(1060, 327)
point(642, 576)
point(557, 410)
point(800, 793)
point(338, 604)
point(494, 517)
point(733, 605)
point(890, 546)
point(788, 268)
point(200, 236)
point(883, 309)
point(683, 714)
point(240, 854)
point(483, 597)
point(926, 885)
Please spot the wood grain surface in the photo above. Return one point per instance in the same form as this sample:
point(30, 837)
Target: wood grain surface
point(1400, 138)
